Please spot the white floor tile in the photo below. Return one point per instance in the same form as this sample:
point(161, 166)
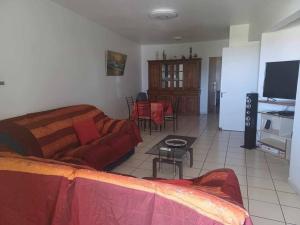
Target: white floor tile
point(212, 166)
point(242, 180)
point(262, 195)
point(289, 199)
point(124, 169)
point(246, 203)
point(260, 183)
point(283, 186)
point(265, 210)
point(140, 173)
point(244, 191)
point(237, 169)
point(262, 221)
point(261, 173)
point(292, 215)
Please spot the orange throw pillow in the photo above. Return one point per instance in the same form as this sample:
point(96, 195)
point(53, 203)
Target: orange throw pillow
point(86, 131)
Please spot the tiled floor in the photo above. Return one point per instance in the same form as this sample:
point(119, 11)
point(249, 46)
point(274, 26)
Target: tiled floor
point(263, 178)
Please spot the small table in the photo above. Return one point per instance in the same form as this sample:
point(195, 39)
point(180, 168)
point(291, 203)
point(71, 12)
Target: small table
point(174, 156)
point(158, 110)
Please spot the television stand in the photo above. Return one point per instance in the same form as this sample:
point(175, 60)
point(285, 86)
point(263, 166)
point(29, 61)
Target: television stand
point(271, 100)
point(284, 103)
point(275, 133)
point(283, 113)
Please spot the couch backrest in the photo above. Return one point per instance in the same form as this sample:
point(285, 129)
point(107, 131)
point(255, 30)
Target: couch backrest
point(53, 129)
point(102, 198)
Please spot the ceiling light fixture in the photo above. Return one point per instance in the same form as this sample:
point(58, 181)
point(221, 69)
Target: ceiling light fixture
point(163, 14)
point(177, 38)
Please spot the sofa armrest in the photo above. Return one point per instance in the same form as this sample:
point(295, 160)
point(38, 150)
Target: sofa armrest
point(113, 126)
point(122, 126)
point(222, 183)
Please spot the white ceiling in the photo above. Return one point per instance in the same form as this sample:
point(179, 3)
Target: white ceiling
point(198, 20)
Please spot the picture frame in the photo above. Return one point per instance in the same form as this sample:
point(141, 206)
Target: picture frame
point(115, 63)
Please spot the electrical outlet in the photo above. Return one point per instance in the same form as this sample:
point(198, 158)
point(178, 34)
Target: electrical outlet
point(2, 83)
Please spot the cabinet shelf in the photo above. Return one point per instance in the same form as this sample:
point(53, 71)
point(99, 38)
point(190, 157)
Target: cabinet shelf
point(284, 103)
point(279, 133)
point(274, 143)
point(275, 132)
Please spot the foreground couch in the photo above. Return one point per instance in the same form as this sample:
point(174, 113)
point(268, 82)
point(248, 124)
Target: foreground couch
point(40, 191)
point(51, 135)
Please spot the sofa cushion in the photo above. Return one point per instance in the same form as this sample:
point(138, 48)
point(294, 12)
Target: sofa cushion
point(98, 156)
point(121, 144)
point(86, 131)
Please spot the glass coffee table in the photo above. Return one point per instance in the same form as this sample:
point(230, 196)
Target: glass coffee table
point(172, 150)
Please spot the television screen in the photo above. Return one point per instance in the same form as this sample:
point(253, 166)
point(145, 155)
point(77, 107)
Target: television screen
point(281, 79)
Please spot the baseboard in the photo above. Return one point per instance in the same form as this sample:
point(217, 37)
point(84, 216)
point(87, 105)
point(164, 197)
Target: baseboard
point(296, 189)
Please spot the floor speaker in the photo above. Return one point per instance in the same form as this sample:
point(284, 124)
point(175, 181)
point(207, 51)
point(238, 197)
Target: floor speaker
point(251, 121)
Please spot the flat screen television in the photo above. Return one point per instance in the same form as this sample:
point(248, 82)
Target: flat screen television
point(281, 79)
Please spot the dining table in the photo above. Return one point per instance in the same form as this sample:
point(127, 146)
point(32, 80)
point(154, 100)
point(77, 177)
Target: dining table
point(159, 109)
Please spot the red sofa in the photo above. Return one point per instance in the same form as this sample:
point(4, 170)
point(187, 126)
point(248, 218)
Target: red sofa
point(39, 191)
point(51, 135)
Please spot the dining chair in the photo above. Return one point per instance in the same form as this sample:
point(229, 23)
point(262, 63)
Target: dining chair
point(174, 117)
point(144, 114)
point(142, 96)
point(130, 105)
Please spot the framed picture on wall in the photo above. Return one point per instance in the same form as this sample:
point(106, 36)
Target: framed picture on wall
point(115, 63)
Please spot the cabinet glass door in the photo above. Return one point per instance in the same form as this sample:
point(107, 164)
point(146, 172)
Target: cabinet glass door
point(172, 75)
point(178, 76)
point(166, 76)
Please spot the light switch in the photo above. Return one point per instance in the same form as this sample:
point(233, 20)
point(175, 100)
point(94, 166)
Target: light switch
point(2, 83)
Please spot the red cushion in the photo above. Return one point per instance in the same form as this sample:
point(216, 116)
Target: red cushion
point(86, 131)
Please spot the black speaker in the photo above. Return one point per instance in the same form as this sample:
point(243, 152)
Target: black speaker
point(251, 121)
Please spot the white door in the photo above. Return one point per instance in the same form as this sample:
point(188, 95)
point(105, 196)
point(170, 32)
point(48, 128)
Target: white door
point(239, 77)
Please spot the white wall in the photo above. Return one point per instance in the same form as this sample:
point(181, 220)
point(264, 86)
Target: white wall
point(278, 46)
point(294, 176)
point(204, 50)
point(284, 45)
point(239, 35)
point(52, 57)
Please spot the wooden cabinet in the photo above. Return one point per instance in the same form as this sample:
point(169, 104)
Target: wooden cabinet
point(171, 78)
point(154, 82)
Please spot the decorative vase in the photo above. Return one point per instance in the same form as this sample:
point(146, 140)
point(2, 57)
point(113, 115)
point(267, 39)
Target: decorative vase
point(164, 55)
point(191, 52)
point(157, 55)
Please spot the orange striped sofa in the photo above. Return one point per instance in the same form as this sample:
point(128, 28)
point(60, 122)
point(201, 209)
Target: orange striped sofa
point(50, 134)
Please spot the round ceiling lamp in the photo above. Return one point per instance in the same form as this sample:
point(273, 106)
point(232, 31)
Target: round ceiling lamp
point(163, 14)
point(177, 38)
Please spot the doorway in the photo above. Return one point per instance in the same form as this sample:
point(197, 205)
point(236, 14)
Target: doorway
point(240, 66)
point(214, 84)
